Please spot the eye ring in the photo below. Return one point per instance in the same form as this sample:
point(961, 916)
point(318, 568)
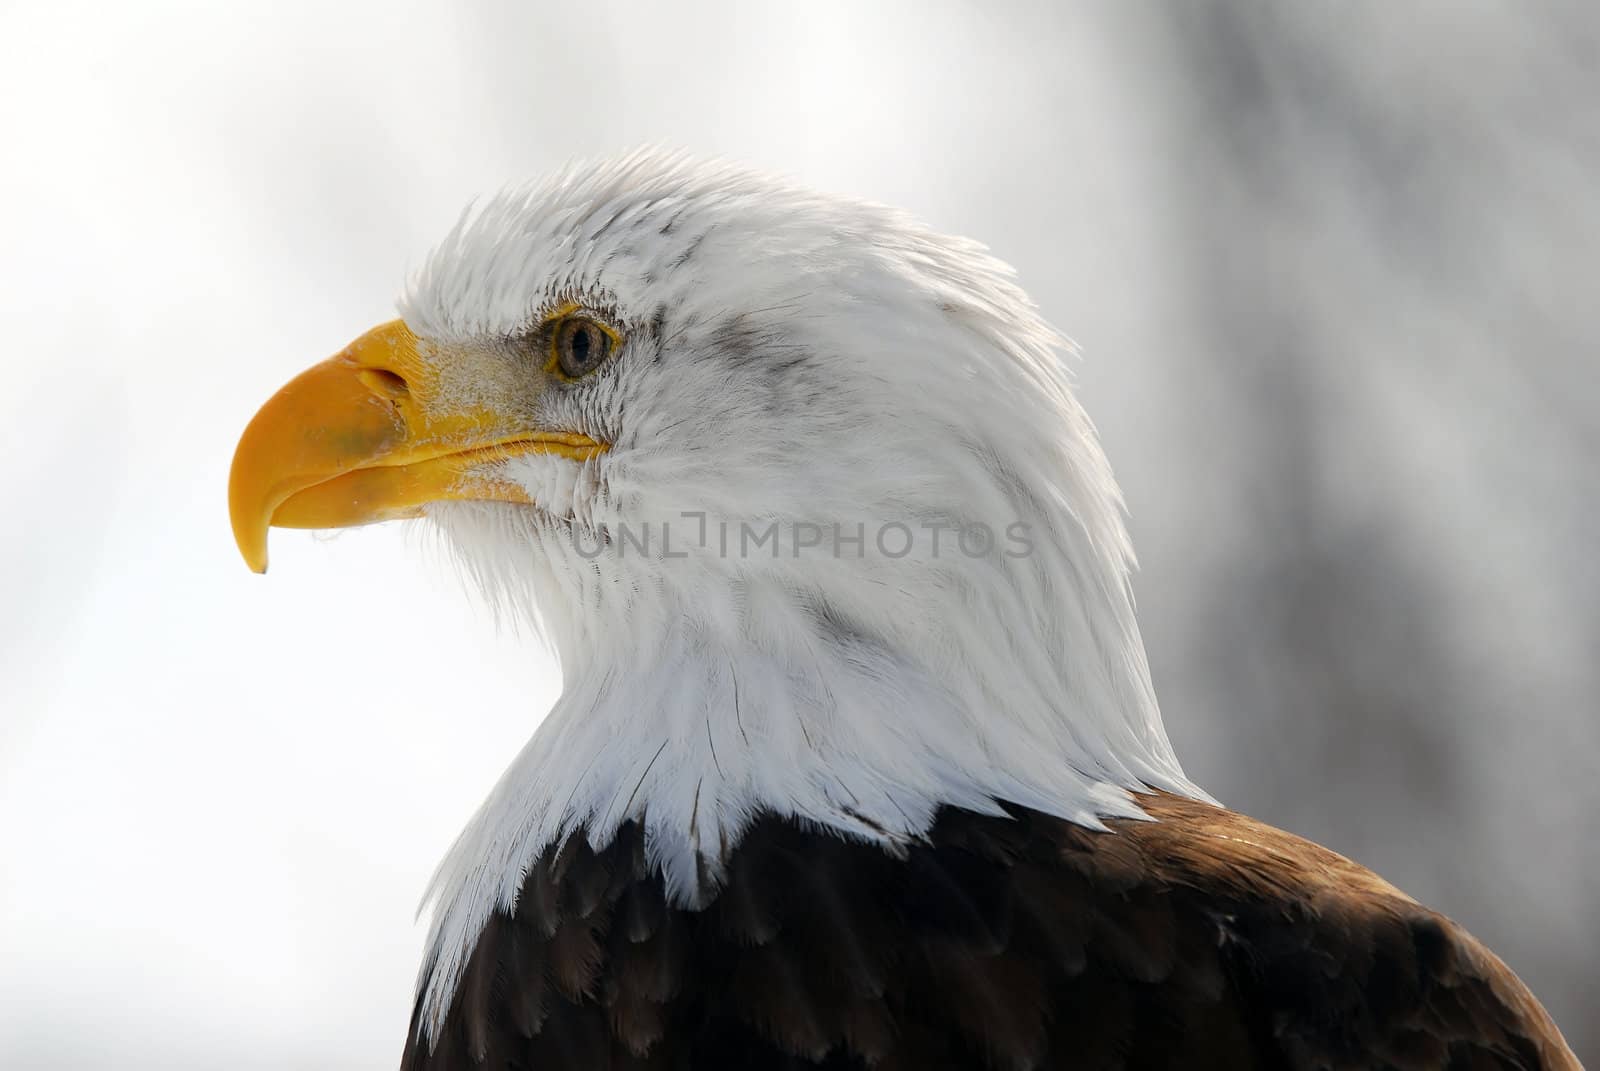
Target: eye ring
point(579, 345)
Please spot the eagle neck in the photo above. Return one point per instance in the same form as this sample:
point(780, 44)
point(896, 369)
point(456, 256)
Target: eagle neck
point(704, 729)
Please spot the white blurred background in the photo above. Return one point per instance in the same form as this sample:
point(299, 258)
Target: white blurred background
point(1334, 268)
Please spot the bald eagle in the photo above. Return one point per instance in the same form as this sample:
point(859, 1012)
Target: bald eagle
point(857, 762)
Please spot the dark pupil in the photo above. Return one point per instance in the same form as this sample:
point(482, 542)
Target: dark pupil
point(580, 346)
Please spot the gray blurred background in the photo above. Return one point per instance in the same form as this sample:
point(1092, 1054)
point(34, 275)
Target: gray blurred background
point(1333, 268)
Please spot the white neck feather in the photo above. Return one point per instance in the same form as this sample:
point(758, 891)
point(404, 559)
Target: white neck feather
point(693, 705)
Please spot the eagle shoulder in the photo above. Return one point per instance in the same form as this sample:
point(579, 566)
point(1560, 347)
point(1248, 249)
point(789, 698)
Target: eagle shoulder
point(1348, 970)
point(1200, 939)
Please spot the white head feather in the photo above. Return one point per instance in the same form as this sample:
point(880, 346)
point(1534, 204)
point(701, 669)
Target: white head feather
point(837, 370)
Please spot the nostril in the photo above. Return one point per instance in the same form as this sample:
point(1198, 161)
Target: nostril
point(384, 383)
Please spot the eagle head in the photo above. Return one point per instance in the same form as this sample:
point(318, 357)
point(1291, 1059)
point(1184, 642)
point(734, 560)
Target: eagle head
point(796, 487)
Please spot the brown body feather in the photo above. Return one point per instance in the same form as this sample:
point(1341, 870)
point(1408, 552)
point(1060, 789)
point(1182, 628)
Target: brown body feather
point(1202, 939)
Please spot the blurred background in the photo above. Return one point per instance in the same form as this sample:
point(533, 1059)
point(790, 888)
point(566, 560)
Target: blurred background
point(1333, 268)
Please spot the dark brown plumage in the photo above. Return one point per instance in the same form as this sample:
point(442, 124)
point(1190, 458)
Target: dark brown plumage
point(1203, 939)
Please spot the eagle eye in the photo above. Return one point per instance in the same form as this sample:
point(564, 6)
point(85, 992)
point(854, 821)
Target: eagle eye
point(579, 345)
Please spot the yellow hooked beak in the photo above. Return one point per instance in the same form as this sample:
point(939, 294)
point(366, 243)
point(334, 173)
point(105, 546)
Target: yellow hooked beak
point(369, 435)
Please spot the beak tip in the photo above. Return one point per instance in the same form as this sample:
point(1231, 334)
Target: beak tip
point(254, 553)
point(249, 507)
point(250, 536)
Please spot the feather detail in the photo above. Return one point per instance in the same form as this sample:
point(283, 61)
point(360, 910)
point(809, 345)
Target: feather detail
point(1200, 940)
